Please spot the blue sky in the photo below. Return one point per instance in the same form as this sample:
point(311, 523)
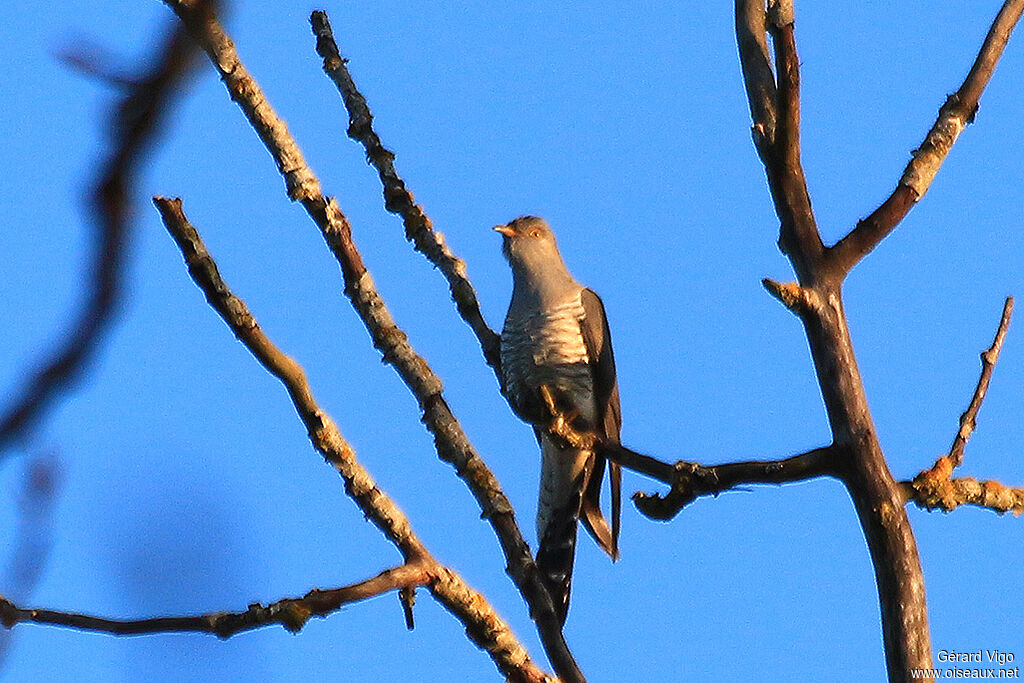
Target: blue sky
point(189, 484)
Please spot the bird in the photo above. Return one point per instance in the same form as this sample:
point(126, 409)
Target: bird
point(557, 367)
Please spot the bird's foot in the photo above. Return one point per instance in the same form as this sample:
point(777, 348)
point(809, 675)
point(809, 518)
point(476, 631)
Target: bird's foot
point(561, 422)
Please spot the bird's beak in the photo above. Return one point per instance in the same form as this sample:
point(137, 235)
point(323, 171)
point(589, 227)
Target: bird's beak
point(505, 230)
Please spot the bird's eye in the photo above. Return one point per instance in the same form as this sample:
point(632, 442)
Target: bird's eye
point(535, 233)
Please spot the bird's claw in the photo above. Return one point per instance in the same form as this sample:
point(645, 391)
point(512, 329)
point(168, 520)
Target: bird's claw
point(561, 421)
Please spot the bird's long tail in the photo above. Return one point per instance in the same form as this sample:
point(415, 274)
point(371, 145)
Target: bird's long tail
point(590, 507)
point(564, 477)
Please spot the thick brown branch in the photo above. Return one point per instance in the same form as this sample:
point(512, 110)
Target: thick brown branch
point(135, 122)
point(798, 236)
point(818, 299)
point(397, 198)
point(292, 613)
point(752, 41)
point(690, 480)
point(483, 625)
point(954, 115)
point(450, 441)
point(877, 497)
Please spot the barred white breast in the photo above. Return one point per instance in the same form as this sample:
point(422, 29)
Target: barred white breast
point(547, 348)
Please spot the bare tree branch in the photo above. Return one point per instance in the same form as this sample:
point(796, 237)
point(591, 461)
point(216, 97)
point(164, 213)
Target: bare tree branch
point(483, 625)
point(798, 236)
point(958, 111)
point(935, 487)
point(450, 441)
point(134, 123)
point(27, 555)
point(326, 437)
point(292, 613)
point(989, 357)
point(817, 299)
point(690, 480)
point(755, 61)
point(397, 198)
point(943, 493)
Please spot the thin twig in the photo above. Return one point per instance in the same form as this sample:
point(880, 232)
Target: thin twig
point(935, 487)
point(483, 625)
point(397, 198)
point(27, 555)
point(989, 357)
point(450, 441)
point(134, 123)
point(958, 111)
point(292, 613)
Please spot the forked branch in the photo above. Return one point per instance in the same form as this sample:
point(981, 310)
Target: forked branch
point(936, 487)
point(483, 625)
point(798, 235)
point(450, 441)
point(958, 111)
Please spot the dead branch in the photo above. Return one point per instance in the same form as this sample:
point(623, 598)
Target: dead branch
point(758, 77)
point(935, 487)
point(989, 357)
point(450, 441)
point(817, 298)
point(397, 198)
point(134, 123)
point(690, 480)
point(935, 490)
point(798, 235)
point(324, 434)
point(483, 625)
point(958, 111)
point(291, 613)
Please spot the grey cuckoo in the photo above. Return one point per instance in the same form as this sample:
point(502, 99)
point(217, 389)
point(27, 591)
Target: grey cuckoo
point(557, 364)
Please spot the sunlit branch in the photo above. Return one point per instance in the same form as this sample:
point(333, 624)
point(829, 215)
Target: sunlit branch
point(291, 613)
point(397, 198)
point(958, 111)
point(483, 625)
point(935, 487)
point(450, 441)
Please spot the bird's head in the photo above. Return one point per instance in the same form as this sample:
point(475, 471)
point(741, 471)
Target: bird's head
point(529, 244)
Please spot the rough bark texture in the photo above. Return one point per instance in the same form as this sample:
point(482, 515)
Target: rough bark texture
point(817, 298)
